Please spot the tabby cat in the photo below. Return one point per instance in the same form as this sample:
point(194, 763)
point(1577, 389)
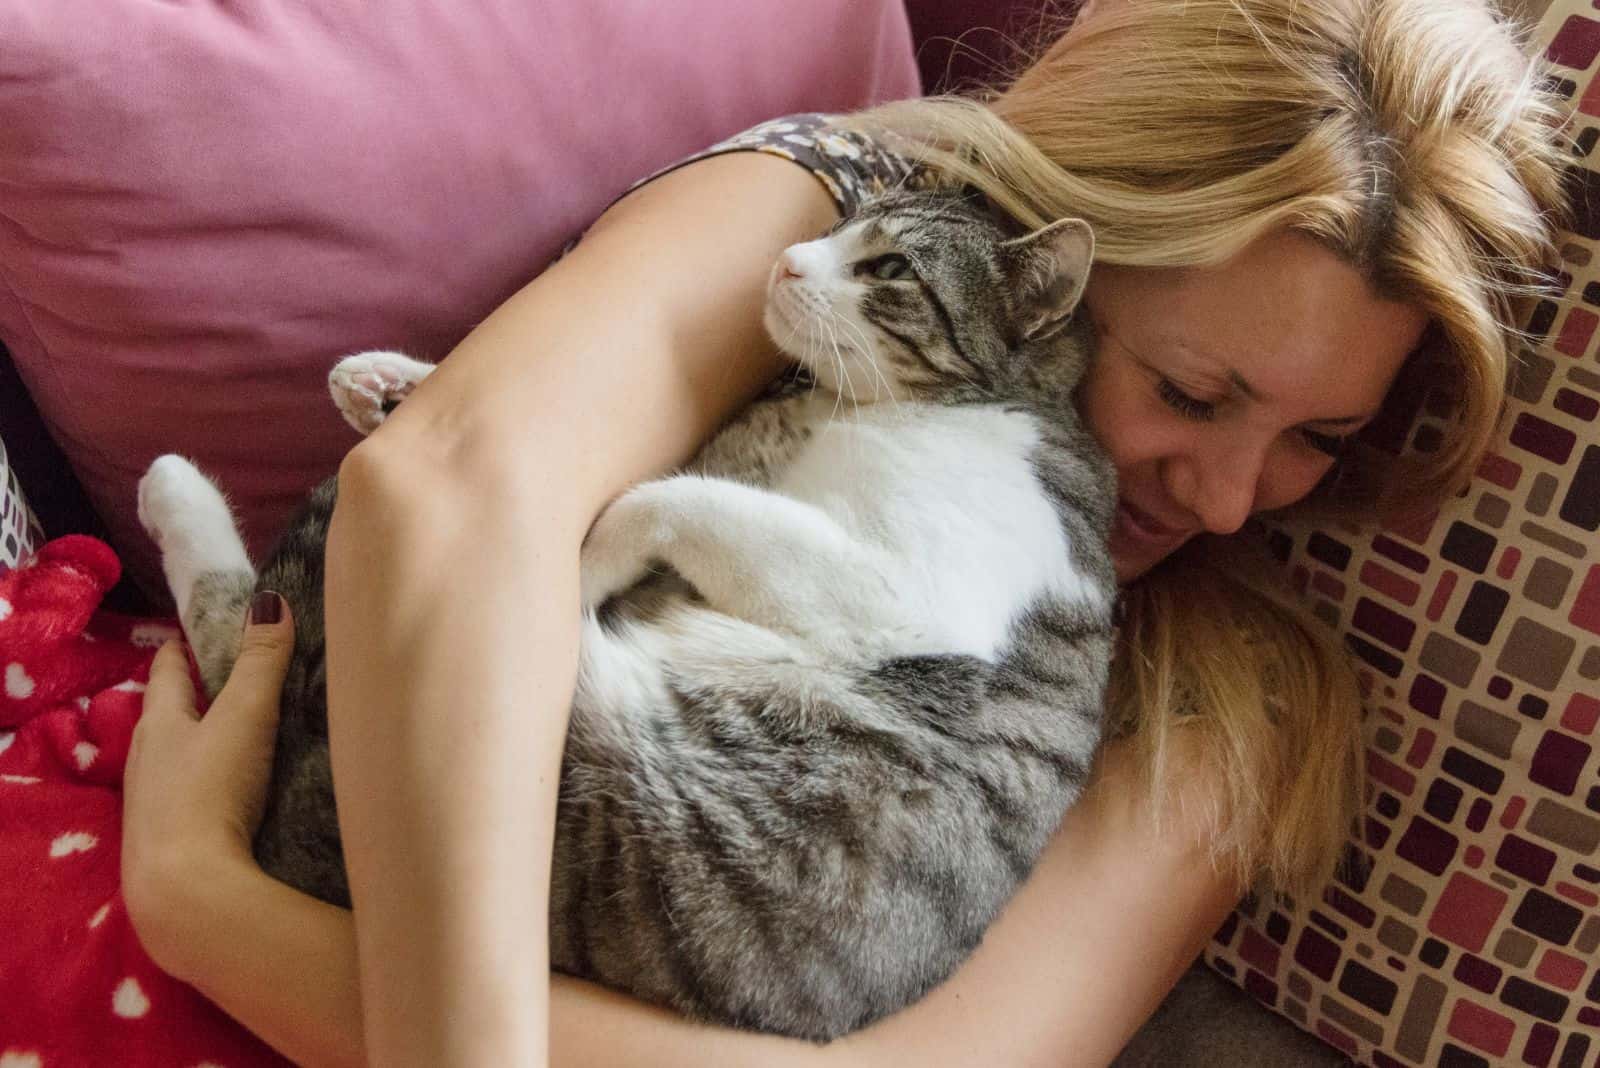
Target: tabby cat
point(839, 679)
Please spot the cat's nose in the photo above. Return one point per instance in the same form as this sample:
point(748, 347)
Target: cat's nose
point(788, 268)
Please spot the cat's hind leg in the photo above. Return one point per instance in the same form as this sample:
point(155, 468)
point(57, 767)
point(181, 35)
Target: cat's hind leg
point(207, 569)
point(367, 386)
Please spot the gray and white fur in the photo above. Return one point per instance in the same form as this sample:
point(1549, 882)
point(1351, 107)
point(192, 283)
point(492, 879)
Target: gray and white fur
point(839, 679)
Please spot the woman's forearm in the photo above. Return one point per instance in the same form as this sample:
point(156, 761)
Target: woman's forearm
point(452, 587)
point(284, 965)
point(281, 963)
point(451, 652)
point(1112, 915)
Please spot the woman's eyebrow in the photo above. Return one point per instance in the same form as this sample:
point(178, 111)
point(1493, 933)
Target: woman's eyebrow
point(1239, 382)
point(1251, 392)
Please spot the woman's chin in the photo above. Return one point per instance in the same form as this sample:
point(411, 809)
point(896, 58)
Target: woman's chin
point(1133, 557)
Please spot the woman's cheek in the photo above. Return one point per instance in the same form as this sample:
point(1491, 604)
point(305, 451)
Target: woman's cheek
point(1291, 476)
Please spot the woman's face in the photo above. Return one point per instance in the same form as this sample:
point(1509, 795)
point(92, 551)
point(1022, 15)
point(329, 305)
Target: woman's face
point(1225, 391)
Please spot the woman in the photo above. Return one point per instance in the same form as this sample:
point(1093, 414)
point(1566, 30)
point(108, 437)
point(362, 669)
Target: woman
point(1302, 207)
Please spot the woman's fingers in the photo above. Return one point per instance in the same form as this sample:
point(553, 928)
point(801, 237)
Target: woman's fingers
point(170, 692)
point(249, 700)
point(196, 789)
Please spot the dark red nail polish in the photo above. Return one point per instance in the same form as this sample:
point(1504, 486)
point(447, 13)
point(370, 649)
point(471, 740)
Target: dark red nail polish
point(266, 607)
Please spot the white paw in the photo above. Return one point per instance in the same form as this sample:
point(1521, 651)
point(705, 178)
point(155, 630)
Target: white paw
point(366, 386)
point(173, 496)
point(630, 533)
point(189, 519)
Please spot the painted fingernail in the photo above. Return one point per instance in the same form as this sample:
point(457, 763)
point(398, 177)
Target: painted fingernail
point(266, 607)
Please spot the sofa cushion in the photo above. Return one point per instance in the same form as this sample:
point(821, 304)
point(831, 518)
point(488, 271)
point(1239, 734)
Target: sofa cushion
point(203, 205)
point(1469, 934)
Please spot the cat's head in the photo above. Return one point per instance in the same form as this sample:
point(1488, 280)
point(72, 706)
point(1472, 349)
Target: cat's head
point(925, 295)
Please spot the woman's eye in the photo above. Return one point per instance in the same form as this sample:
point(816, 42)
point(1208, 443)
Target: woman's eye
point(1182, 403)
point(1330, 444)
point(889, 268)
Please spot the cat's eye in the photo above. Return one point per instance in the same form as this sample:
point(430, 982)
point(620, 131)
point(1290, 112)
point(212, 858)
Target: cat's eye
point(887, 268)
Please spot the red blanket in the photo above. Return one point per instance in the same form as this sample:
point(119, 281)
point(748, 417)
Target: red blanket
point(76, 988)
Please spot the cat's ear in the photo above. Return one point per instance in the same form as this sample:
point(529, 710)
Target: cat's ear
point(1048, 270)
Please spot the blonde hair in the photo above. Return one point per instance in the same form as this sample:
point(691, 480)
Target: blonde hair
point(1413, 139)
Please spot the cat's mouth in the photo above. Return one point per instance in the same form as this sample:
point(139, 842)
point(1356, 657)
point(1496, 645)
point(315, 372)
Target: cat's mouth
point(789, 336)
point(796, 317)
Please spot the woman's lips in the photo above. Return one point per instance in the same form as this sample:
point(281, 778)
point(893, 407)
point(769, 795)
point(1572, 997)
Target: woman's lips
point(1134, 523)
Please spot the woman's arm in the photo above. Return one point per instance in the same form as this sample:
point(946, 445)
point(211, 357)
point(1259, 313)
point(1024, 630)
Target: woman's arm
point(451, 611)
point(1079, 959)
point(452, 586)
point(1119, 906)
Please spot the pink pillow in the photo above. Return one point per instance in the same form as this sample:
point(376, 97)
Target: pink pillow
point(203, 204)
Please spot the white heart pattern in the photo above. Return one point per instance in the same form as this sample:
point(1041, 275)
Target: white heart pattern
point(19, 686)
point(13, 1058)
point(5, 609)
point(6, 738)
point(72, 842)
point(129, 1001)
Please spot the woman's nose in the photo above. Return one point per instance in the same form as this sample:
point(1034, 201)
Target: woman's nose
point(1218, 489)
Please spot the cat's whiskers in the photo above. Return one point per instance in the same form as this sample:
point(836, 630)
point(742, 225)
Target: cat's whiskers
point(865, 355)
point(810, 354)
point(811, 348)
point(872, 363)
point(794, 328)
point(849, 382)
point(855, 400)
point(838, 360)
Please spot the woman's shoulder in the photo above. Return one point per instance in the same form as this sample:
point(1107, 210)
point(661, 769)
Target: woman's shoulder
point(852, 164)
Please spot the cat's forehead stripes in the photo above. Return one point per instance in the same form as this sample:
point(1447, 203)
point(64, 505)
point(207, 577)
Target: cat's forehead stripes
point(903, 219)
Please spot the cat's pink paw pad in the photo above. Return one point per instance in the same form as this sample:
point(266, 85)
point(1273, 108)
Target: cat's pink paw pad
point(366, 387)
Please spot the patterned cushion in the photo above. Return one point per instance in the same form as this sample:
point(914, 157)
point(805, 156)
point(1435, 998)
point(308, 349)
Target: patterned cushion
point(1471, 936)
point(19, 530)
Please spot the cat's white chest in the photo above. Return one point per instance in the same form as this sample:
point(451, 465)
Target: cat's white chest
point(949, 500)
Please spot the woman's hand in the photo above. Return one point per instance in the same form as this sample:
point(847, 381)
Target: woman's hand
point(195, 788)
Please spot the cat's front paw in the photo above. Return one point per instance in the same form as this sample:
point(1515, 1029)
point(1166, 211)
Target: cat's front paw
point(629, 534)
point(367, 386)
point(174, 497)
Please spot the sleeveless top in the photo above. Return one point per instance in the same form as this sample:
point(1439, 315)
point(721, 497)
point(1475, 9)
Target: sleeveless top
point(852, 166)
